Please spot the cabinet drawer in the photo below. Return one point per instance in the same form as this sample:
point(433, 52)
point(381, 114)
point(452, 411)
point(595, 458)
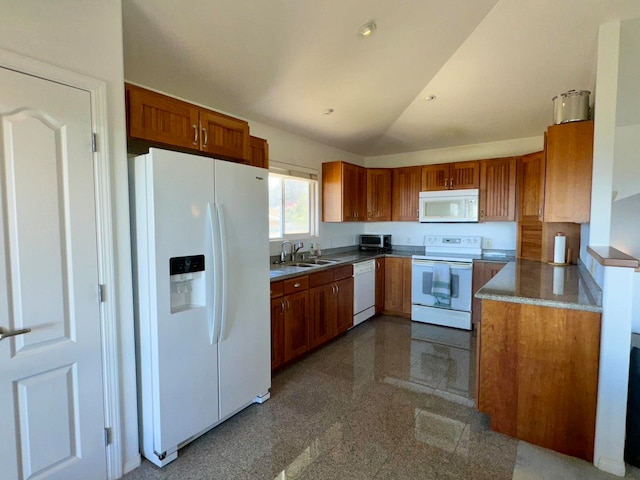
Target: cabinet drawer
point(344, 271)
point(277, 289)
point(297, 284)
point(321, 278)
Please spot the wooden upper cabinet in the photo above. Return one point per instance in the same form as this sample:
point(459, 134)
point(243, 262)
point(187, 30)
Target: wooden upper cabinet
point(258, 152)
point(434, 177)
point(222, 135)
point(406, 188)
point(531, 187)
point(378, 194)
point(569, 163)
point(498, 189)
point(159, 119)
point(450, 176)
point(464, 175)
point(343, 192)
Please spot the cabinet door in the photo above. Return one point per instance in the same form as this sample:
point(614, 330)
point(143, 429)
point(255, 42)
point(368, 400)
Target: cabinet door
point(332, 192)
point(321, 314)
point(277, 332)
point(529, 240)
point(498, 190)
point(393, 280)
point(406, 188)
point(353, 193)
point(380, 284)
point(530, 187)
point(406, 286)
point(568, 172)
point(434, 177)
point(464, 175)
point(378, 194)
point(296, 325)
point(482, 273)
point(344, 305)
point(224, 136)
point(258, 152)
point(158, 118)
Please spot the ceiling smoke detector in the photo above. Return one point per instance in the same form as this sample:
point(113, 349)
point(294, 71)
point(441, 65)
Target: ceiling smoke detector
point(367, 29)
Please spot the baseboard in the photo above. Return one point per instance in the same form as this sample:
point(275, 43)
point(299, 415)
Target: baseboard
point(609, 465)
point(131, 464)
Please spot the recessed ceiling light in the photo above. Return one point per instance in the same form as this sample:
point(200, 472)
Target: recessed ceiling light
point(430, 98)
point(327, 111)
point(367, 29)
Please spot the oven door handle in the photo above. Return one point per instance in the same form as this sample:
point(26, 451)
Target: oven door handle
point(430, 263)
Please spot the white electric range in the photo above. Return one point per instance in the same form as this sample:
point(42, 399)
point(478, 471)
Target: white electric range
point(450, 260)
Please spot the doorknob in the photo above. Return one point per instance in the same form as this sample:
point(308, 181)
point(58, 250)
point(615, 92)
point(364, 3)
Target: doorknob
point(12, 333)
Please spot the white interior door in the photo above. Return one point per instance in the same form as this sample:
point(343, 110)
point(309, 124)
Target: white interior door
point(51, 390)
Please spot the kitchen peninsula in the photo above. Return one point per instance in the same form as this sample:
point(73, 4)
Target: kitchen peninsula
point(538, 351)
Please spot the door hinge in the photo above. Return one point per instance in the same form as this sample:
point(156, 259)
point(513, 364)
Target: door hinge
point(94, 142)
point(101, 297)
point(107, 436)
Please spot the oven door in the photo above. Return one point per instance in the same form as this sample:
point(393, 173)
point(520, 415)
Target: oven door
point(425, 307)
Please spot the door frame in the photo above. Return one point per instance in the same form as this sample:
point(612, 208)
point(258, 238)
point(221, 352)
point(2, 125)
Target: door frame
point(97, 90)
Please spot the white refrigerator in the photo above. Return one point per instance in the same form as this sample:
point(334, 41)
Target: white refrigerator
point(201, 280)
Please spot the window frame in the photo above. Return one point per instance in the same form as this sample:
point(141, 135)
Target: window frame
point(314, 206)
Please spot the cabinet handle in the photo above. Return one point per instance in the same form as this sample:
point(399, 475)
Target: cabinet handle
point(205, 136)
point(337, 289)
point(451, 183)
point(481, 213)
point(540, 213)
point(296, 285)
point(333, 290)
point(377, 264)
point(288, 305)
point(195, 135)
point(282, 306)
point(446, 183)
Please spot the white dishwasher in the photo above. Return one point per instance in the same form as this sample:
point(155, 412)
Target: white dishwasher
point(364, 291)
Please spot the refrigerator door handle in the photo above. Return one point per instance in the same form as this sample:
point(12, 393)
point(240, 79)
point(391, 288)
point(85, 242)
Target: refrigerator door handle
point(212, 276)
point(224, 284)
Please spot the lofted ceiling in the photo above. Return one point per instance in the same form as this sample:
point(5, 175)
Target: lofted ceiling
point(493, 65)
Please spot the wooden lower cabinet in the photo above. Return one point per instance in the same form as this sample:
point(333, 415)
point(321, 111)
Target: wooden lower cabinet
point(538, 374)
point(331, 304)
point(482, 272)
point(296, 325)
point(277, 332)
point(380, 284)
point(397, 286)
point(309, 310)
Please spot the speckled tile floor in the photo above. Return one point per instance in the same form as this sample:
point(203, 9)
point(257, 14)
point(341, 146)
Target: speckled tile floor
point(392, 399)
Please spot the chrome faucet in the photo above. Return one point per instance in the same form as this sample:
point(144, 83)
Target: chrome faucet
point(283, 255)
point(295, 249)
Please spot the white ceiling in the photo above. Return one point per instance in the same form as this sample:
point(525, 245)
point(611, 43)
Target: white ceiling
point(494, 65)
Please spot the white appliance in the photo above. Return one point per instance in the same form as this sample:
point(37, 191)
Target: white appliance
point(456, 255)
point(449, 206)
point(364, 291)
point(202, 295)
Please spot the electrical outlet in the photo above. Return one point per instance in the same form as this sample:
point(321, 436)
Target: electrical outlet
point(487, 243)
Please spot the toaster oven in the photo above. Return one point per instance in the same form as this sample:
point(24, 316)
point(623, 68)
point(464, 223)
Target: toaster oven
point(375, 241)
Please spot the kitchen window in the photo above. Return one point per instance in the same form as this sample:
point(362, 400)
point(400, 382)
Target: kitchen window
point(293, 203)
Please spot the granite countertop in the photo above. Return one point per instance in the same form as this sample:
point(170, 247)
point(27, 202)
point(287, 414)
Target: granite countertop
point(284, 271)
point(538, 283)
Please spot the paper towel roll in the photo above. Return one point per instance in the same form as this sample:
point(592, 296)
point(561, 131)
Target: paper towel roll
point(558, 280)
point(559, 248)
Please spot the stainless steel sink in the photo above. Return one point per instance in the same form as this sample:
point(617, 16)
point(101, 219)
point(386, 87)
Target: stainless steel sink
point(320, 262)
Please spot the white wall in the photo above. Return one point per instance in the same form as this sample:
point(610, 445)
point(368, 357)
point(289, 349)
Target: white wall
point(86, 37)
point(479, 151)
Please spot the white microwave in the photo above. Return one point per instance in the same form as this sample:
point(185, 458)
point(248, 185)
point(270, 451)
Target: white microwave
point(449, 206)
